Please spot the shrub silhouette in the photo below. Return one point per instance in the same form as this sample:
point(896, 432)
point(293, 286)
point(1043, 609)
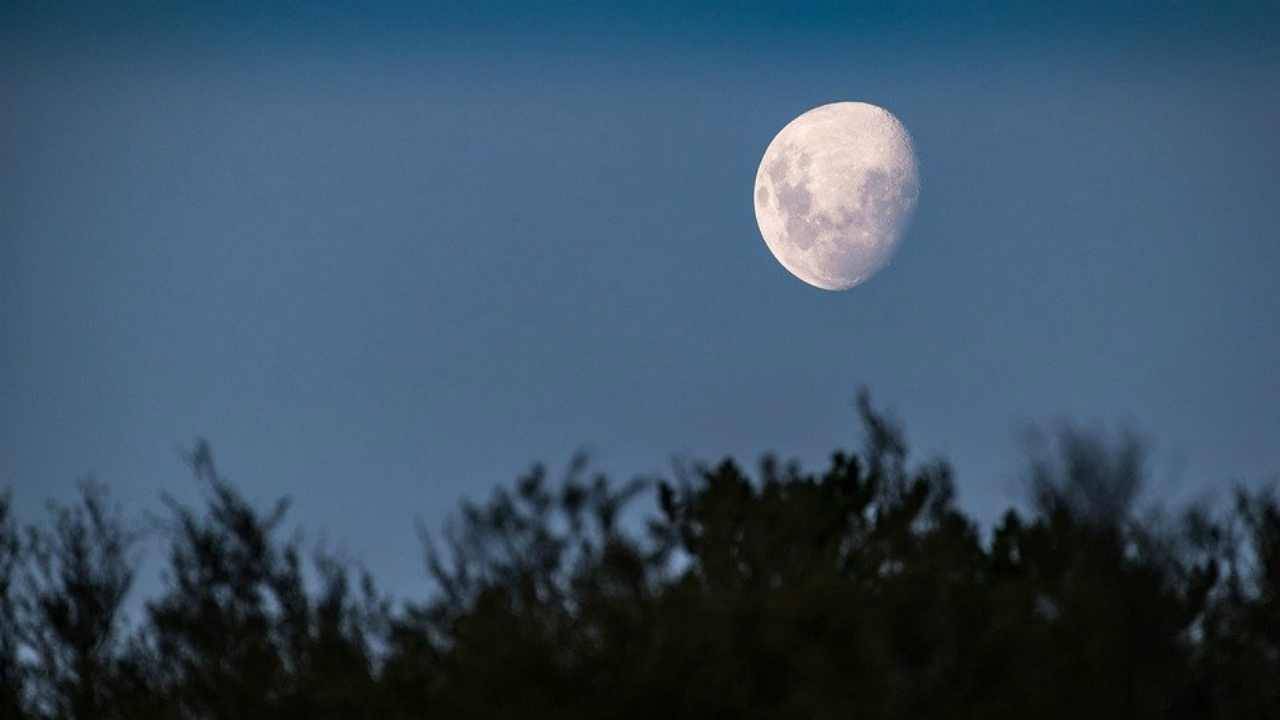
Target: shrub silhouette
point(857, 591)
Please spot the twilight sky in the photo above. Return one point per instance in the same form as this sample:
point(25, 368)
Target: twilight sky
point(385, 260)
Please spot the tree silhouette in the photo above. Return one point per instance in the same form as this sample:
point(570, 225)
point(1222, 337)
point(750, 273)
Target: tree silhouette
point(860, 590)
point(13, 676)
point(238, 634)
point(77, 576)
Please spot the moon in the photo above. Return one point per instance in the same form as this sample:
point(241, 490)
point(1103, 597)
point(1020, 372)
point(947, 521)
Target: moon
point(835, 191)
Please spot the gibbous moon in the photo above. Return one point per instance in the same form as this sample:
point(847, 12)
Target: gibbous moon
point(835, 191)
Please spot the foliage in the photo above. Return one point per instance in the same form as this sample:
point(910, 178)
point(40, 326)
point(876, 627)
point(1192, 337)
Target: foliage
point(857, 591)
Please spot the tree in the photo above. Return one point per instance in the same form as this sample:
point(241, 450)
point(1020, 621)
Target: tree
point(78, 575)
point(13, 678)
point(857, 590)
point(238, 634)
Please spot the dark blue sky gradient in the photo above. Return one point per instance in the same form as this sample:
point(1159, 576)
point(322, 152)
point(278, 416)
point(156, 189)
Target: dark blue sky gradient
point(385, 260)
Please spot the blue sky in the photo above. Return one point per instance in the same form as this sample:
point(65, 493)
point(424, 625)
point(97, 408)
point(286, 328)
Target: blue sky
point(384, 260)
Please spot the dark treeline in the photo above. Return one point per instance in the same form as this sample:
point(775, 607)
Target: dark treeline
point(860, 591)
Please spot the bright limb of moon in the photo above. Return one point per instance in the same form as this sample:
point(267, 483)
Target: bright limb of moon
point(835, 192)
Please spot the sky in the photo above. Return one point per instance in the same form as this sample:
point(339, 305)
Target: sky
point(385, 259)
